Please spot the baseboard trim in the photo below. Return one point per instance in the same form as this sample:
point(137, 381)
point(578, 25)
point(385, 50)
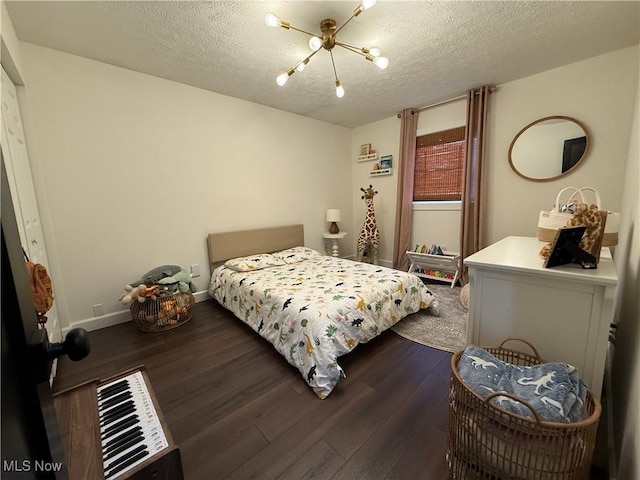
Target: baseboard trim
point(116, 318)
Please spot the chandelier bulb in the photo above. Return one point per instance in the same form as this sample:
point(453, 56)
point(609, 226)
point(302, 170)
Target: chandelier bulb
point(315, 43)
point(367, 4)
point(339, 89)
point(381, 62)
point(300, 67)
point(270, 20)
point(282, 78)
point(374, 51)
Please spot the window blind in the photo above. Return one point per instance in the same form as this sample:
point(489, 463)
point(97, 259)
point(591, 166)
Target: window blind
point(438, 165)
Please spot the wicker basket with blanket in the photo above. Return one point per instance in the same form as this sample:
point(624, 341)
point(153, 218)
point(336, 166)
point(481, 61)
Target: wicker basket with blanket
point(497, 434)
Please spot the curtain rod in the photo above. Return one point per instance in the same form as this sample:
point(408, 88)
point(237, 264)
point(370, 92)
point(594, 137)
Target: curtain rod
point(443, 102)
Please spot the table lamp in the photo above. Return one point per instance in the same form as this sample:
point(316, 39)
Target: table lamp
point(333, 216)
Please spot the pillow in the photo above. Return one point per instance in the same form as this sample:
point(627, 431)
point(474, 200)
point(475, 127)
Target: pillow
point(253, 262)
point(297, 254)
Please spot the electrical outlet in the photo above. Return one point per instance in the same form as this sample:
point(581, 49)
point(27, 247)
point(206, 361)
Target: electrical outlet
point(98, 310)
point(195, 270)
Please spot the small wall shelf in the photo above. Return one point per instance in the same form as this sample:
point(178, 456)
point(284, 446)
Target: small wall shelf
point(382, 171)
point(368, 158)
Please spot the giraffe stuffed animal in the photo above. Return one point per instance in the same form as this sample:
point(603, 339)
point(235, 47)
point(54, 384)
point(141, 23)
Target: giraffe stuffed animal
point(369, 238)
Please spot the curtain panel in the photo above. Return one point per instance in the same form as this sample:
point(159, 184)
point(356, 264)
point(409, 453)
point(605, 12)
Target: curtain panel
point(404, 202)
point(472, 208)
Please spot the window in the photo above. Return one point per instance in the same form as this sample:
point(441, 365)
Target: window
point(438, 166)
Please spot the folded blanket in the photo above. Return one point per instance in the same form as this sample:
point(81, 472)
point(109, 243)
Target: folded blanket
point(553, 389)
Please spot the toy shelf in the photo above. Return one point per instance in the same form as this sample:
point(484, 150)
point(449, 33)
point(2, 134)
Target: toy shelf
point(445, 268)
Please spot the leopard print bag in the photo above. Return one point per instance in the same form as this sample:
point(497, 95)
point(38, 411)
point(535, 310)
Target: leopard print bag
point(41, 288)
point(594, 219)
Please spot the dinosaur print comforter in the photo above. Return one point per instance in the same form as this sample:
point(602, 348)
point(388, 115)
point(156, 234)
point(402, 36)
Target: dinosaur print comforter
point(320, 308)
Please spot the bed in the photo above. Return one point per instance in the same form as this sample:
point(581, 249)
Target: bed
point(311, 307)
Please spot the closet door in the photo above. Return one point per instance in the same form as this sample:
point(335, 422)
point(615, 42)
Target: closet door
point(23, 195)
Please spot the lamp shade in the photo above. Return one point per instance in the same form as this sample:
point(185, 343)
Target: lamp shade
point(333, 215)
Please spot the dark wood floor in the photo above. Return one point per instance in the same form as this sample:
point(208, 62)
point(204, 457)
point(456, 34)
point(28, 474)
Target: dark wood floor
point(238, 410)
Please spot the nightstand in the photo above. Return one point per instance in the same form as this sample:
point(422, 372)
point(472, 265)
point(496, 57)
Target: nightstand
point(334, 237)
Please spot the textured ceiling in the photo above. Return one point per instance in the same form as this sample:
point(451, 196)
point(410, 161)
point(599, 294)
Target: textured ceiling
point(436, 49)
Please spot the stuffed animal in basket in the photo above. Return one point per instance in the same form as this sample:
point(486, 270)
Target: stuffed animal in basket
point(153, 276)
point(159, 280)
point(181, 282)
point(133, 292)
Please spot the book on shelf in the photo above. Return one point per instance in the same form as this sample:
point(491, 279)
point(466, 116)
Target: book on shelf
point(434, 249)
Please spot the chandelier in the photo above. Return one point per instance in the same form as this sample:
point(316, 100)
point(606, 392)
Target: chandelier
point(327, 40)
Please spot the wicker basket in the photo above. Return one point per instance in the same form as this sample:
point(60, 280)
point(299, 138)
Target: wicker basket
point(488, 442)
point(163, 313)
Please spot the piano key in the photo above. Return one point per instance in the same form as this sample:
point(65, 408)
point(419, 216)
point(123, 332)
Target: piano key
point(126, 464)
point(104, 426)
point(116, 413)
point(107, 410)
point(122, 439)
point(112, 392)
point(124, 458)
point(120, 426)
point(114, 400)
point(115, 440)
point(114, 386)
point(124, 446)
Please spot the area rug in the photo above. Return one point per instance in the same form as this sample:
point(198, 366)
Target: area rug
point(446, 331)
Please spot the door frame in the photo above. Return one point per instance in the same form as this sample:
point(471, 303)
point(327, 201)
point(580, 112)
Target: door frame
point(30, 430)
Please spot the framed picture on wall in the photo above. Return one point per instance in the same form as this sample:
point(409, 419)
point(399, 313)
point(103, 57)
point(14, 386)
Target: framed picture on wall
point(365, 149)
point(386, 161)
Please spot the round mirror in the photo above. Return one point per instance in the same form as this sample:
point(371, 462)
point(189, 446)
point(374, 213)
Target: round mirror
point(549, 148)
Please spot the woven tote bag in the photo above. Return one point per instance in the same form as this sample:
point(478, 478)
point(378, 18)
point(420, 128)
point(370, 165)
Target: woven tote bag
point(549, 221)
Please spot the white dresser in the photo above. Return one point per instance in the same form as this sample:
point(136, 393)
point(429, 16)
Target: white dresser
point(565, 311)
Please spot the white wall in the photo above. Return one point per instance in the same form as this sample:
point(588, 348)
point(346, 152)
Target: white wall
point(139, 169)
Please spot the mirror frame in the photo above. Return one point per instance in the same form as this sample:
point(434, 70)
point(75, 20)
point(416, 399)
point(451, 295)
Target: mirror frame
point(554, 117)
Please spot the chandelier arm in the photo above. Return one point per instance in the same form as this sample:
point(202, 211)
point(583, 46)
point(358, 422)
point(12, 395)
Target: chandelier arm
point(309, 56)
point(351, 49)
point(334, 65)
point(300, 30)
point(304, 60)
point(344, 24)
point(347, 45)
